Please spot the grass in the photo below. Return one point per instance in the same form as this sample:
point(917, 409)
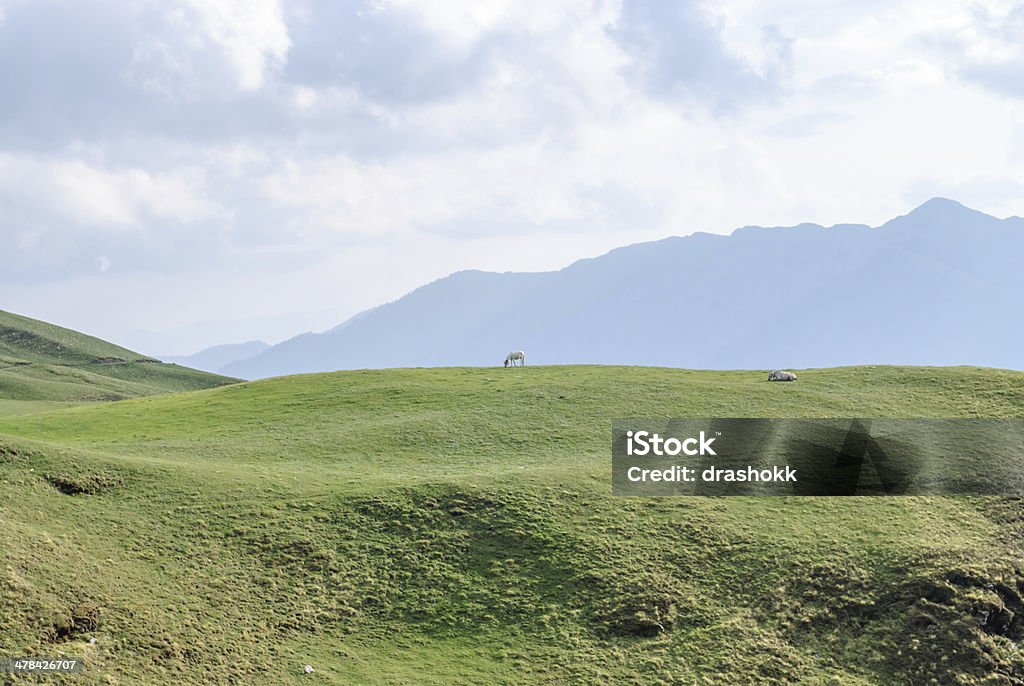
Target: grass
point(28, 340)
point(438, 526)
point(16, 407)
point(43, 363)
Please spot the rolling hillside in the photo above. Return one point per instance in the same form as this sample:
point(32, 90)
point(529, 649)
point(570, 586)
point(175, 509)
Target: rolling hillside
point(43, 366)
point(447, 526)
point(803, 296)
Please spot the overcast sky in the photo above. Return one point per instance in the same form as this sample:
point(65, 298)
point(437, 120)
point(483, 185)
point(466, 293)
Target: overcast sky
point(179, 173)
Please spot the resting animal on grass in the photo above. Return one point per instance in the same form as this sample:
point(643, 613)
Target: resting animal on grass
point(781, 376)
point(516, 356)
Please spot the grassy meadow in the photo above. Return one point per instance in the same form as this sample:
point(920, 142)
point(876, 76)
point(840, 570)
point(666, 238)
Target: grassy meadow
point(440, 526)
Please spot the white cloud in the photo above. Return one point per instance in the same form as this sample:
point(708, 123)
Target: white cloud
point(202, 49)
point(985, 46)
point(251, 33)
point(103, 199)
point(515, 186)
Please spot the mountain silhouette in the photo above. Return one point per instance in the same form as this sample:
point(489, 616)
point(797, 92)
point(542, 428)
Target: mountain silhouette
point(938, 286)
point(214, 358)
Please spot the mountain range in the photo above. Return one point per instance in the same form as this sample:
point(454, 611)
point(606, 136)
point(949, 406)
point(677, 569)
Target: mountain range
point(213, 359)
point(938, 286)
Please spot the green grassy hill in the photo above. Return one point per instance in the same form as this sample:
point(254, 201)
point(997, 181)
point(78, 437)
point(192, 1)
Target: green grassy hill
point(444, 526)
point(43, 366)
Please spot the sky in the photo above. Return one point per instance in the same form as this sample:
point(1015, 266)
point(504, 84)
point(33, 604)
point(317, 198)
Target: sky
point(181, 173)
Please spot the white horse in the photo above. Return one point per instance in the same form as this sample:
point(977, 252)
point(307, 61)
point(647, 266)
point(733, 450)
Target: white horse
point(781, 376)
point(516, 356)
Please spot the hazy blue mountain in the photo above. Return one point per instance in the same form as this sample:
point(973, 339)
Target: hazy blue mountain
point(215, 358)
point(939, 286)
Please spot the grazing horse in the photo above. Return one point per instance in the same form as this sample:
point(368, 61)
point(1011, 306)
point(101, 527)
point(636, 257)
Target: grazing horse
point(781, 376)
point(516, 356)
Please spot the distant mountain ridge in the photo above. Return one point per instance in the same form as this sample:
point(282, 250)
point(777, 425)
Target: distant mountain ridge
point(215, 358)
point(938, 286)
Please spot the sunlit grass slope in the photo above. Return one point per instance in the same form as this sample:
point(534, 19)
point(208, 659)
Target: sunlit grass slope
point(442, 526)
point(42, 365)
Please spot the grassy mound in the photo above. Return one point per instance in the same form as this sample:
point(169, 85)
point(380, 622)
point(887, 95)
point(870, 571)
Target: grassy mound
point(43, 366)
point(446, 526)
